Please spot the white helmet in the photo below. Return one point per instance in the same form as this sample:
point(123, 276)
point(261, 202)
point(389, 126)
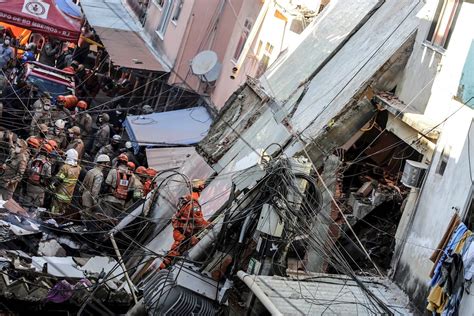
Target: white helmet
point(60, 124)
point(116, 138)
point(103, 158)
point(128, 144)
point(71, 157)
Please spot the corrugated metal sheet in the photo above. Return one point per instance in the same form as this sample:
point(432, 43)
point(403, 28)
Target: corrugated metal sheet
point(318, 42)
point(351, 69)
point(182, 127)
point(331, 295)
point(121, 35)
point(168, 158)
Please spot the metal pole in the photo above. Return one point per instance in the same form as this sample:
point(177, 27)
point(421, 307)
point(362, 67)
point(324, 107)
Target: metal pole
point(119, 256)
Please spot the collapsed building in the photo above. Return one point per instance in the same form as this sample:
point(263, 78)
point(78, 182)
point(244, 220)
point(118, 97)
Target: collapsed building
point(320, 176)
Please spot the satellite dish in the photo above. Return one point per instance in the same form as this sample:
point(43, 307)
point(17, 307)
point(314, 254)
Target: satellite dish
point(212, 74)
point(203, 62)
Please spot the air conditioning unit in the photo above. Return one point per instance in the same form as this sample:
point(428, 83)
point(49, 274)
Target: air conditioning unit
point(413, 173)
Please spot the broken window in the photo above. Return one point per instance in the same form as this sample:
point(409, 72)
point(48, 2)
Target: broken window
point(443, 22)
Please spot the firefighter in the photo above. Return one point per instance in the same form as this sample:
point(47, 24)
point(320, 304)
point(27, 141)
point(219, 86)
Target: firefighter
point(149, 185)
point(187, 221)
point(60, 111)
point(38, 173)
point(41, 113)
point(76, 141)
point(58, 135)
point(83, 119)
point(102, 137)
point(112, 150)
point(14, 167)
point(64, 182)
point(137, 184)
point(92, 184)
point(120, 184)
point(128, 150)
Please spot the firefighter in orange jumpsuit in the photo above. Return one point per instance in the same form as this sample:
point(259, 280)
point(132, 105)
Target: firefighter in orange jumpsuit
point(187, 221)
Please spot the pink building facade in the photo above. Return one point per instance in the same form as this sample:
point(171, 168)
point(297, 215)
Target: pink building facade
point(247, 37)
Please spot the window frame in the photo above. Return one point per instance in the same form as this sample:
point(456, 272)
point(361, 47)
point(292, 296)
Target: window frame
point(435, 24)
point(167, 10)
point(247, 27)
point(178, 8)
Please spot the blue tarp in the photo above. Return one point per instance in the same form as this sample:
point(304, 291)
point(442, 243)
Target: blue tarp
point(69, 7)
point(182, 127)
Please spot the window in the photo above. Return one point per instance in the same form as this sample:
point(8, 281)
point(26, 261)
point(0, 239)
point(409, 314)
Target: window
point(443, 160)
point(443, 22)
point(469, 215)
point(165, 18)
point(243, 39)
point(177, 10)
point(265, 60)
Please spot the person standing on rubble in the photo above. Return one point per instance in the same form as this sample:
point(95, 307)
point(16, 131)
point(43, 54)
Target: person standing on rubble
point(38, 173)
point(76, 141)
point(112, 150)
point(92, 184)
point(102, 137)
point(14, 167)
point(187, 221)
point(120, 184)
point(64, 182)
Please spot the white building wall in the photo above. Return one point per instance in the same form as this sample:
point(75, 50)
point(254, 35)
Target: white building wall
point(441, 194)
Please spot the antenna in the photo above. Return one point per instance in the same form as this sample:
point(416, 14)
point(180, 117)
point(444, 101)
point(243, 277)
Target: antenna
point(206, 65)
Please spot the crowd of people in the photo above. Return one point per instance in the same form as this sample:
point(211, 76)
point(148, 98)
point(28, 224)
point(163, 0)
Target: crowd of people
point(67, 161)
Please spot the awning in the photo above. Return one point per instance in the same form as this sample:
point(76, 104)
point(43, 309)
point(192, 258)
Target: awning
point(168, 158)
point(42, 16)
point(120, 35)
point(182, 127)
point(69, 7)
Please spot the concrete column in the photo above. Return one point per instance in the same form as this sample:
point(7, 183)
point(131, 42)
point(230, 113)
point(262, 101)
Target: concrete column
point(316, 259)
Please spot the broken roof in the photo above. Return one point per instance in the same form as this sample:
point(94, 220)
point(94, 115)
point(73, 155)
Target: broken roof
point(318, 42)
point(182, 127)
point(317, 294)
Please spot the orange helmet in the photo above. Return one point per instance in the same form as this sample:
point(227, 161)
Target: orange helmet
point(53, 144)
point(61, 98)
point(151, 172)
point(48, 148)
point(34, 142)
point(131, 165)
point(82, 105)
point(122, 157)
point(141, 170)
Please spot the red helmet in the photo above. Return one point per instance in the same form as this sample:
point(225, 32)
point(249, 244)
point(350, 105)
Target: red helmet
point(131, 165)
point(141, 170)
point(82, 105)
point(61, 98)
point(122, 157)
